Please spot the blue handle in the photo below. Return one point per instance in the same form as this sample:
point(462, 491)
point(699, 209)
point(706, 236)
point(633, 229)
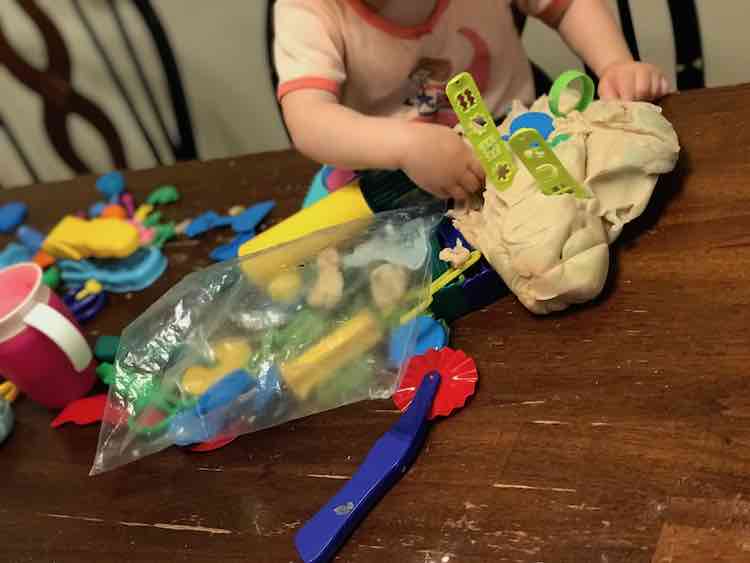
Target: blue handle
point(322, 536)
point(206, 418)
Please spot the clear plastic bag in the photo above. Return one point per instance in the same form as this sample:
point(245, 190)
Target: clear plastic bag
point(282, 334)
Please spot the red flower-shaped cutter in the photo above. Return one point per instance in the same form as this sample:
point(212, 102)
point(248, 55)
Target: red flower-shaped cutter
point(458, 374)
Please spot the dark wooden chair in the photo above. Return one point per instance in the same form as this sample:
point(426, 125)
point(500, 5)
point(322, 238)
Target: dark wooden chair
point(687, 41)
point(54, 87)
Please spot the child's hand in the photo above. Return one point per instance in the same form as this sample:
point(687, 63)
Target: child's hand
point(438, 161)
point(631, 81)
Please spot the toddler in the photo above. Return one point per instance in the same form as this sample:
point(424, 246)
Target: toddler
point(362, 81)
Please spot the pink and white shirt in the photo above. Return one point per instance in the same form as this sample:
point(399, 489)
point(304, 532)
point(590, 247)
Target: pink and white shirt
point(380, 68)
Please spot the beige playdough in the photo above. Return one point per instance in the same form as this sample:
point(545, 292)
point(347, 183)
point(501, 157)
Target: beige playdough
point(388, 285)
point(553, 251)
point(329, 285)
point(456, 256)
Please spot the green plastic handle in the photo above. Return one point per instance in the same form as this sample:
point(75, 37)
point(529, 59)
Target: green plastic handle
point(562, 82)
point(479, 129)
point(550, 174)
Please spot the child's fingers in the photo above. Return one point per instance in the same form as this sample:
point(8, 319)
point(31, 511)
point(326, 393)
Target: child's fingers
point(476, 167)
point(627, 86)
point(469, 182)
point(643, 85)
point(457, 192)
point(656, 89)
point(607, 90)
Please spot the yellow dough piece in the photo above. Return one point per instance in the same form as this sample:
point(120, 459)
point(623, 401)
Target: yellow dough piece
point(75, 239)
point(231, 354)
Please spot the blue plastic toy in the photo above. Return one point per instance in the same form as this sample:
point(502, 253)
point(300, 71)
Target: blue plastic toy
point(207, 418)
point(14, 253)
point(96, 209)
point(249, 219)
point(6, 419)
point(322, 536)
point(111, 185)
point(245, 222)
point(534, 120)
point(134, 273)
point(30, 238)
point(230, 251)
point(431, 335)
point(87, 308)
point(318, 188)
point(204, 223)
point(11, 215)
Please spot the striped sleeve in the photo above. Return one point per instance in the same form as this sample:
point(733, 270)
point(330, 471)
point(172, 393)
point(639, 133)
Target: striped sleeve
point(308, 47)
point(551, 12)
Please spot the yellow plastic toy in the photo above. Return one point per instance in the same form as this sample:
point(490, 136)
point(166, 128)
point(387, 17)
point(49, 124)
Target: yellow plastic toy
point(75, 239)
point(343, 205)
point(286, 286)
point(319, 362)
point(439, 284)
point(8, 391)
point(91, 287)
point(230, 354)
point(143, 212)
point(263, 266)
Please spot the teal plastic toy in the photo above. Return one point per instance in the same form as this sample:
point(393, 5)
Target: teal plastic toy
point(6, 419)
point(105, 349)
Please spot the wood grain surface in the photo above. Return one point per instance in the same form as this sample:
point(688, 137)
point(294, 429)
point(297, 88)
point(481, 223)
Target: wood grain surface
point(616, 432)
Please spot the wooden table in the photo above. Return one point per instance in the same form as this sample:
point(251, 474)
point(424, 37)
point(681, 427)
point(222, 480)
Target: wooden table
point(618, 432)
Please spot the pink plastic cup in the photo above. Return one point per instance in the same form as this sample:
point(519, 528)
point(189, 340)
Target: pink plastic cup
point(42, 349)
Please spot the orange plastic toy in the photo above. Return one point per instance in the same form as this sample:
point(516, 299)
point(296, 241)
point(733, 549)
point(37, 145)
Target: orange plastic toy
point(114, 211)
point(44, 260)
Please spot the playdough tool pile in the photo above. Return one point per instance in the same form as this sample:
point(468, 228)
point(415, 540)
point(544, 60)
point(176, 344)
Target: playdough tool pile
point(548, 217)
point(314, 324)
point(112, 247)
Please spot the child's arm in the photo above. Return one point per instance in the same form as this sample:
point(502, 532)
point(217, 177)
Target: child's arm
point(433, 156)
point(591, 30)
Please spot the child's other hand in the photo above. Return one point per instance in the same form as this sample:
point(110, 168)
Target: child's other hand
point(633, 81)
point(438, 161)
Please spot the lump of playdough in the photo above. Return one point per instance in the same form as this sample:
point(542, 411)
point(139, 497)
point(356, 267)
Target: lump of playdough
point(388, 283)
point(329, 286)
point(456, 256)
point(553, 251)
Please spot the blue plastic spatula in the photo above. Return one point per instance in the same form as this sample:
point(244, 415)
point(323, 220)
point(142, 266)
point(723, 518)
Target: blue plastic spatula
point(320, 538)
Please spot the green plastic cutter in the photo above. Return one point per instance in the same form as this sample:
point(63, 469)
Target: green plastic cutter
point(479, 129)
point(550, 174)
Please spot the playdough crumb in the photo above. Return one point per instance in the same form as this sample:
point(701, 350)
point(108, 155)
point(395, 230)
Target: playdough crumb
point(329, 287)
point(456, 256)
point(388, 284)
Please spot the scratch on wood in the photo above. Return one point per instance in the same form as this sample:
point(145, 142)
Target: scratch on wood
point(216, 469)
point(550, 422)
point(68, 517)
point(319, 476)
point(531, 488)
point(583, 506)
point(462, 523)
point(182, 528)
point(176, 527)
